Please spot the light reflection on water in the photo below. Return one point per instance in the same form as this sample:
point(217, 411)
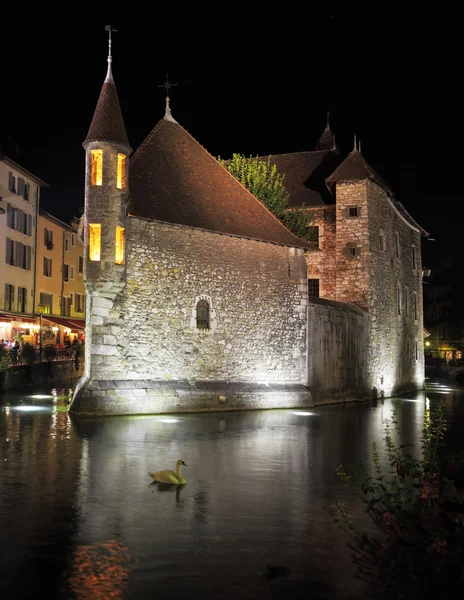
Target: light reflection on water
point(82, 518)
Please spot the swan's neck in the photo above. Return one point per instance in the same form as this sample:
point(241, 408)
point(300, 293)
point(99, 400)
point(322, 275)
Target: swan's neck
point(179, 474)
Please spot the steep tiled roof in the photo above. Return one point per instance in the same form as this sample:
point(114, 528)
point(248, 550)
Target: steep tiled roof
point(174, 179)
point(327, 140)
point(356, 168)
point(305, 175)
point(107, 123)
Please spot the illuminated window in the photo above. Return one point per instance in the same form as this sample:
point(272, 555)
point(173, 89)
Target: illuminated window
point(94, 242)
point(97, 166)
point(119, 257)
point(202, 314)
point(121, 181)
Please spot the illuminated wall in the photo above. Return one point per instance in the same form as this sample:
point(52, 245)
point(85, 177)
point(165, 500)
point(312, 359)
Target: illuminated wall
point(258, 310)
point(383, 264)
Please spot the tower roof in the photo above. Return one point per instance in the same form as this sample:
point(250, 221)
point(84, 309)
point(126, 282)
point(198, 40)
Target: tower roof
point(174, 179)
point(356, 168)
point(327, 140)
point(107, 123)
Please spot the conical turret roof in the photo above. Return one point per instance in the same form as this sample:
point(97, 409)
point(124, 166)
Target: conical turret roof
point(107, 123)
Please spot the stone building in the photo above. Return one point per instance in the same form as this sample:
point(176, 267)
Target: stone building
point(197, 296)
point(368, 254)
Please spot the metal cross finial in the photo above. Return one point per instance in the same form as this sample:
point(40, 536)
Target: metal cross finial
point(109, 29)
point(167, 85)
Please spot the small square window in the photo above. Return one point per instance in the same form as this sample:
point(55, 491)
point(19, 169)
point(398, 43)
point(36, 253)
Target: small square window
point(353, 211)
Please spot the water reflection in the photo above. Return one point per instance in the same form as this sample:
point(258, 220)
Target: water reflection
point(100, 571)
point(252, 521)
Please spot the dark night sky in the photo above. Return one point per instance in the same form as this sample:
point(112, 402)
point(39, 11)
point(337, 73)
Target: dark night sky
point(400, 94)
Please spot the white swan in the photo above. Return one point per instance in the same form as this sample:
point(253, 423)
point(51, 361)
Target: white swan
point(168, 476)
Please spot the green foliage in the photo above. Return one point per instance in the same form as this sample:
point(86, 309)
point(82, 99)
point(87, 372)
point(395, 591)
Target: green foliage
point(417, 507)
point(28, 353)
point(265, 183)
point(4, 359)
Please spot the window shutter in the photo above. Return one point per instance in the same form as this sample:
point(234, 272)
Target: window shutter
point(29, 257)
point(9, 251)
point(10, 182)
point(10, 216)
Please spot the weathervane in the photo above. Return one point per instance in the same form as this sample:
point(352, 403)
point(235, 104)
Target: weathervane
point(110, 30)
point(167, 85)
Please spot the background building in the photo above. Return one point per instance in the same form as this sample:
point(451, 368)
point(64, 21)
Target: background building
point(41, 264)
point(19, 204)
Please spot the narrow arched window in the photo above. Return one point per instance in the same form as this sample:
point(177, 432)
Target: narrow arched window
point(121, 175)
point(96, 167)
point(202, 314)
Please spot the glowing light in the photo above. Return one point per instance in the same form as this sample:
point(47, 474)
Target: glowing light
point(121, 177)
point(25, 408)
point(97, 166)
point(120, 234)
point(169, 420)
point(40, 396)
point(410, 400)
point(94, 241)
point(304, 414)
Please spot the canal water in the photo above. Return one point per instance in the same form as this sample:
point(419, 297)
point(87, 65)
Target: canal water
point(82, 520)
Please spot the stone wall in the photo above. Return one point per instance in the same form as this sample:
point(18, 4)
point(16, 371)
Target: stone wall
point(373, 276)
point(338, 351)
point(60, 372)
point(394, 298)
point(352, 257)
point(321, 263)
point(144, 340)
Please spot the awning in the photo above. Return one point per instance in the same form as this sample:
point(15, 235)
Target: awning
point(72, 324)
point(426, 333)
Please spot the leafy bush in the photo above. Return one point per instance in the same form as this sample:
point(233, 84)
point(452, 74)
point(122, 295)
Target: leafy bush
point(263, 180)
point(4, 359)
point(28, 353)
point(418, 511)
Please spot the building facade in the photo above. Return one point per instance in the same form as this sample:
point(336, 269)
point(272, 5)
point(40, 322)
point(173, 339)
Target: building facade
point(19, 208)
point(41, 264)
point(60, 287)
point(198, 298)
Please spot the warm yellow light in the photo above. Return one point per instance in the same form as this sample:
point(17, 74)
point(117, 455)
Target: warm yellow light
point(121, 180)
point(427, 343)
point(97, 166)
point(94, 242)
point(119, 258)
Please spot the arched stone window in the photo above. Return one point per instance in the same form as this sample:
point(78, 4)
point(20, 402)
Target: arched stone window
point(203, 318)
point(202, 314)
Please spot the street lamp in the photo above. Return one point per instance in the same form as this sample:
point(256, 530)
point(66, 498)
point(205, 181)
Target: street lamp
point(40, 308)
